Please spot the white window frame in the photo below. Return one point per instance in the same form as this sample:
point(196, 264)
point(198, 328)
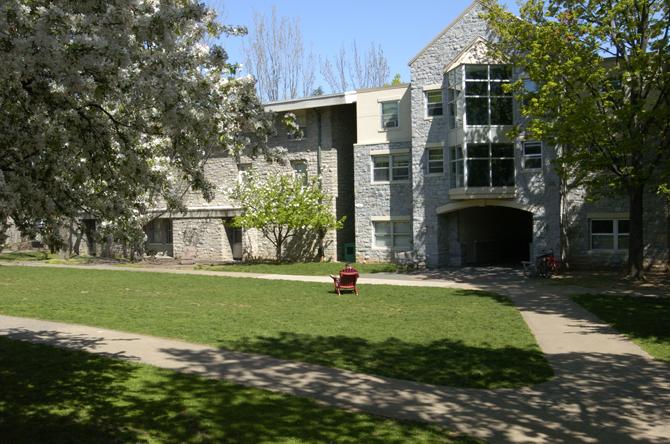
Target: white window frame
point(491, 158)
point(534, 156)
point(615, 234)
point(427, 108)
point(489, 96)
point(430, 163)
point(392, 160)
point(393, 233)
point(397, 114)
point(456, 156)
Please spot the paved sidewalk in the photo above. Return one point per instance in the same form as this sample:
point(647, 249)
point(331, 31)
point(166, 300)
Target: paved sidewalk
point(606, 388)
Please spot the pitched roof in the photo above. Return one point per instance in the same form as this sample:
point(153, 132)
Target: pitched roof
point(444, 31)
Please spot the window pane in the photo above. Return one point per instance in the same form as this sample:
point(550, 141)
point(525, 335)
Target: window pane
point(477, 111)
point(402, 228)
point(478, 150)
point(476, 88)
point(624, 226)
point(623, 242)
point(501, 111)
point(403, 242)
point(497, 89)
point(381, 168)
point(502, 150)
point(384, 241)
point(602, 242)
point(456, 179)
point(476, 72)
point(532, 148)
point(532, 163)
point(503, 172)
point(602, 226)
point(435, 154)
point(401, 167)
point(478, 173)
point(501, 72)
point(389, 114)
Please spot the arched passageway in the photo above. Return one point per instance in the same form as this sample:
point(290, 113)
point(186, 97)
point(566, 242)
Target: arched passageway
point(486, 235)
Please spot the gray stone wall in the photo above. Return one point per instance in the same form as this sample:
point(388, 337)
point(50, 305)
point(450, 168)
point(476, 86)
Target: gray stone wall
point(212, 242)
point(344, 138)
point(376, 199)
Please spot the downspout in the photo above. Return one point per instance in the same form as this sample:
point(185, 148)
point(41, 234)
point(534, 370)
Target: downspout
point(321, 252)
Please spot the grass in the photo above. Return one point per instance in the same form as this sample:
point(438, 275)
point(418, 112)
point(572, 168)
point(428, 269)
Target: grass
point(65, 396)
point(301, 268)
point(438, 336)
point(645, 320)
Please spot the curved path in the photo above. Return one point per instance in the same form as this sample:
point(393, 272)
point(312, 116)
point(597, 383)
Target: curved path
point(606, 388)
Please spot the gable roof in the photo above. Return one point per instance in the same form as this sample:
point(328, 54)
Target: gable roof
point(444, 31)
point(469, 51)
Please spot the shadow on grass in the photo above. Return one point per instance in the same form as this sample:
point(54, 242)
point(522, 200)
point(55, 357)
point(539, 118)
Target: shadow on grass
point(443, 362)
point(646, 319)
point(56, 396)
point(24, 256)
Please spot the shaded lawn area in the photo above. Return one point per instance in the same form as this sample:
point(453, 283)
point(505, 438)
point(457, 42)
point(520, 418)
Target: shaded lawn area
point(438, 336)
point(300, 268)
point(64, 396)
point(43, 256)
point(645, 320)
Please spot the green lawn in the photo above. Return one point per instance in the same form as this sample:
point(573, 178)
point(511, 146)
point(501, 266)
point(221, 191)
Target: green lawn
point(439, 336)
point(301, 268)
point(645, 320)
point(63, 396)
point(43, 256)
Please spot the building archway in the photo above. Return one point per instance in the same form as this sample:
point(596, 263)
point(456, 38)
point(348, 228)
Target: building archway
point(472, 234)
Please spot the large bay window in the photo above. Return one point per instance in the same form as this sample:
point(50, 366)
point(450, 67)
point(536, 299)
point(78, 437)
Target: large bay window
point(482, 165)
point(486, 102)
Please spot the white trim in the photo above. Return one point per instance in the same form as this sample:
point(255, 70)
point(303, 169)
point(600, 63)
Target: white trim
point(390, 218)
point(386, 151)
point(431, 87)
point(456, 206)
point(608, 216)
point(312, 102)
point(435, 144)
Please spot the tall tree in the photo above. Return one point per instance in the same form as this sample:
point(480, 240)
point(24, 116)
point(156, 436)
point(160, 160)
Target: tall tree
point(282, 206)
point(107, 107)
point(276, 56)
point(356, 70)
point(602, 71)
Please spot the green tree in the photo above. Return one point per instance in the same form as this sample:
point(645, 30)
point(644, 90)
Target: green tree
point(397, 79)
point(110, 107)
point(282, 206)
point(601, 73)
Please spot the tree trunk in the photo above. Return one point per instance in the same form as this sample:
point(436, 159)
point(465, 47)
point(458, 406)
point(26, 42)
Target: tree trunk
point(636, 235)
point(280, 241)
point(321, 253)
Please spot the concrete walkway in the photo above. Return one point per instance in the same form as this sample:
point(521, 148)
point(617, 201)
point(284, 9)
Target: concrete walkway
point(606, 388)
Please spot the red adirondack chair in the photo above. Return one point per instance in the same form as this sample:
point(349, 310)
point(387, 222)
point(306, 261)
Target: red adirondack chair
point(346, 281)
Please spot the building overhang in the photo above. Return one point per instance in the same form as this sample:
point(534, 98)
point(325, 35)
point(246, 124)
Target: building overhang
point(312, 102)
point(199, 213)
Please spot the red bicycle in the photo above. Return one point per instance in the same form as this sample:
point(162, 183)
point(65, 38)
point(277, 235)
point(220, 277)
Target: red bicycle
point(547, 265)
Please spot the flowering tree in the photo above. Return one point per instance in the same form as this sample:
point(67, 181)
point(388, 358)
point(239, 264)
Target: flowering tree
point(282, 206)
point(108, 107)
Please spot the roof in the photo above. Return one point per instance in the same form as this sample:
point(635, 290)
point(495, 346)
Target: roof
point(444, 31)
point(312, 102)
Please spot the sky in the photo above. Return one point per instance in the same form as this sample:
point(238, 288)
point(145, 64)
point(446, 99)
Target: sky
point(402, 28)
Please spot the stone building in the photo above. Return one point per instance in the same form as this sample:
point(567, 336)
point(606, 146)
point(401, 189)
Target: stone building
point(423, 171)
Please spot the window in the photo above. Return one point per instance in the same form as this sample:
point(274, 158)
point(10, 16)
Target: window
point(485, 101)
point(435, 160)
point(159, 231)
point(456, 167)
point(243, 172)
point(393, 235)
point(490, 165)
point(532, 155)
point(390, 167)
point(390, 114)
point(609, 234)
point(300, 170)
point(434, 103)
point(452, 99)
